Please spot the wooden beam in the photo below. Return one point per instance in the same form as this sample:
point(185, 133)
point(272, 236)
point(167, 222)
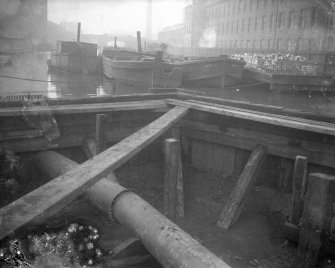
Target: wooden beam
point(90, 148)
point(284, 121)
point(326, 116)
point(236, 200)
point(299, 188)
point(157, 68)
point(24, 134)
point(84, 108)
point(173, 181)
point(317, 152)
point(100, 132)
point(51, 197)
point(316, 219)
point(67, 141)
point(127, 247)
point(175, 134)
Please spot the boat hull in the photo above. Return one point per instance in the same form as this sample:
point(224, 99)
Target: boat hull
point(282, 82)
point(216, 72)
point(140, 73)
point(73, 63)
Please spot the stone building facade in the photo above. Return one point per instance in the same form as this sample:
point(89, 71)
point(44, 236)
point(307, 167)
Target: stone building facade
point(296, 26)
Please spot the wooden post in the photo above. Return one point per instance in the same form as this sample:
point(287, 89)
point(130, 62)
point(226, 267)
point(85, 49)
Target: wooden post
point(175, 134)
point(157, 69)
point(78, 32)
point(89, 146)
point(100, 132)
point(316, 219)
point(172, 174)
point(139, 42)
point(234, 205)
point(299, 188)
point(285, 175)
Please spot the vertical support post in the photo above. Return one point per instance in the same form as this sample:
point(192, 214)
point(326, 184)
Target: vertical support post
point(100, 132)
point(171, 176)
point(139, 42)
point(175, 134)
point(299, 188)
point(115, 39)
point(157, 69)
point(316, 219)
point(145, 46)
point(78, 32)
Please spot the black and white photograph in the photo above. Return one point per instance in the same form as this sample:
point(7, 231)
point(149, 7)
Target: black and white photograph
point(167, 133)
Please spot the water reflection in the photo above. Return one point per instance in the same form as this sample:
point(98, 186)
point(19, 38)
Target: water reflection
point(61, 84)
point(32, 67)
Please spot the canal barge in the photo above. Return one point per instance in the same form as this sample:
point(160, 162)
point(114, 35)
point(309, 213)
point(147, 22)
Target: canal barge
point(218, 72)
point(249, 145)
point(76, 57)
point(285, 82)
point(138, 68)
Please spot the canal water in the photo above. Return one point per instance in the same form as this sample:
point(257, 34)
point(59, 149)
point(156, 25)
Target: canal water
point(32, 66)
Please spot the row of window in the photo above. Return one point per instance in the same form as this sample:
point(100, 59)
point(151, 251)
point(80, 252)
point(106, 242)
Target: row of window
point(288, 20)
point(280, 44)
point(240, 6)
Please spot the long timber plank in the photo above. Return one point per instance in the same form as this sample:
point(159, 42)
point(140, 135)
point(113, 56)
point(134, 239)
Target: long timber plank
point(317, 152)
point(56, 194)
point(233, 207)
point(83, 108)
point(284, 121)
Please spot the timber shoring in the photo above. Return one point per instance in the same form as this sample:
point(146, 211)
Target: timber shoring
point(49, 198)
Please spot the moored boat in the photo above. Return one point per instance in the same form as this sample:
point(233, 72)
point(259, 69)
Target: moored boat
point(285, 82)
point(78, 57)
point(212, 72)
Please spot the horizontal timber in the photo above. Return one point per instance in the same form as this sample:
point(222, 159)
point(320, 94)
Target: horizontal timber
point(83, 108)
point(317, 153)
point(56, 194)
point(283, 121)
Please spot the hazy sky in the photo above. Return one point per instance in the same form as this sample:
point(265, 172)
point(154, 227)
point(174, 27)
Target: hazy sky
point(116, 16)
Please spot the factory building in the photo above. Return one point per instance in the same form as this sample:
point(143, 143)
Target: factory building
point(235, 26)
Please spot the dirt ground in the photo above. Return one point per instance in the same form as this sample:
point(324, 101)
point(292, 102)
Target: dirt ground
point(254, 241)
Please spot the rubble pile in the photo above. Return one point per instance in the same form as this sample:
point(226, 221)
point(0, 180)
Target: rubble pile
point(74, 246)
point(280, 63)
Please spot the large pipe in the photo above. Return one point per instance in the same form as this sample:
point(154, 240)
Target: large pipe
point(169, 244)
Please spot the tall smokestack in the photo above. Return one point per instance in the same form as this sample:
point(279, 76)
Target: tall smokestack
point(149, 20)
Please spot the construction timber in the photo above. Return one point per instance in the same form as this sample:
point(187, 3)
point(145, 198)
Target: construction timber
point(236, 137)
